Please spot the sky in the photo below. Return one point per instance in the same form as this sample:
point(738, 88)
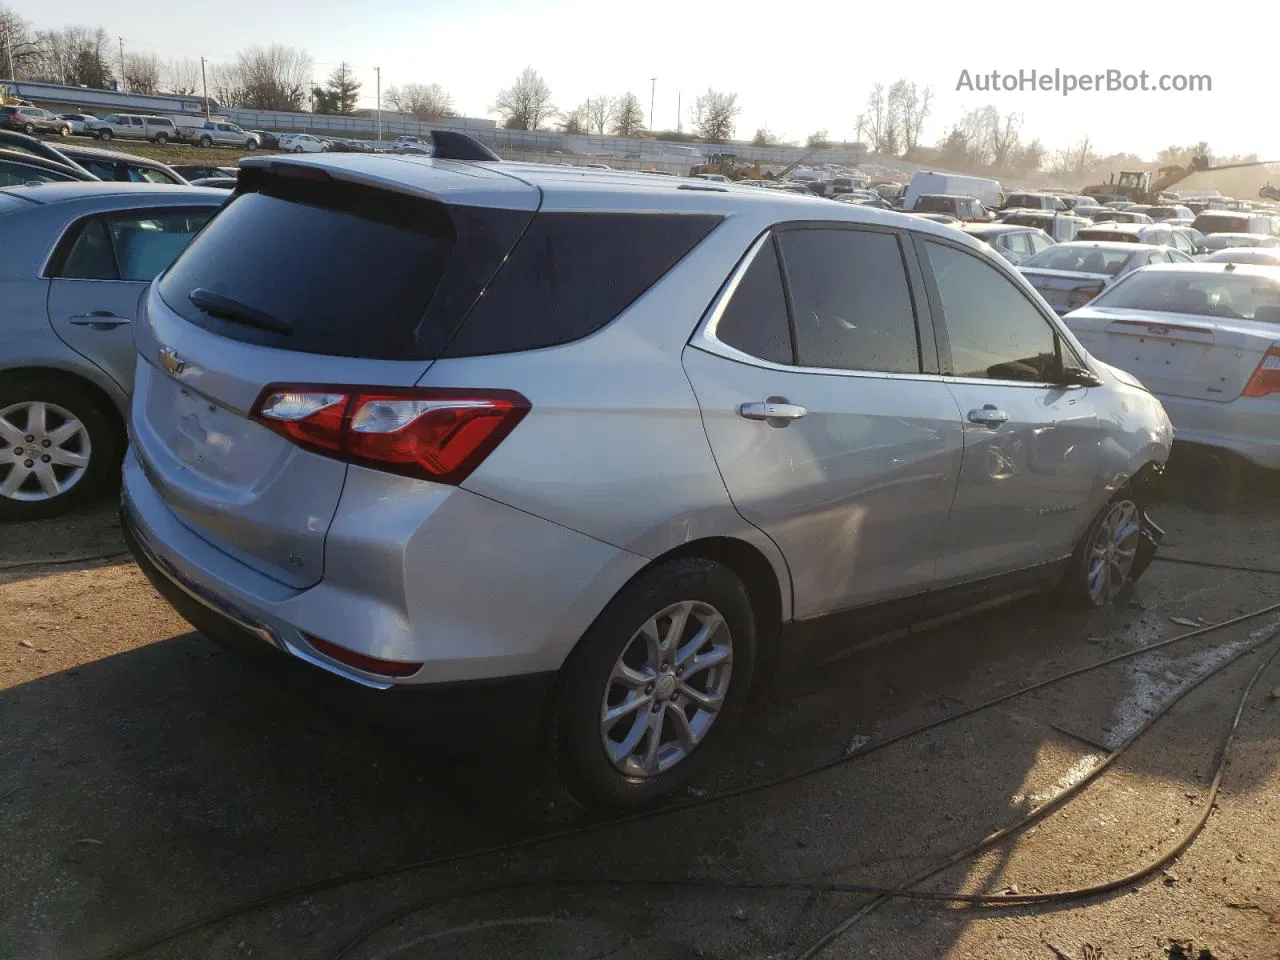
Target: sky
point(794, 73)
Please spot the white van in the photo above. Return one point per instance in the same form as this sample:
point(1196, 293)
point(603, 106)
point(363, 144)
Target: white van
point(926, 181)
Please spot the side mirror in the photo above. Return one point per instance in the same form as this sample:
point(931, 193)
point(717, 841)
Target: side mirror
point(1078, 377)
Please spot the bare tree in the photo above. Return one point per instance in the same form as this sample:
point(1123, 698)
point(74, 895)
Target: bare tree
point(628, 115)
point(765, 138)
point(426, 101)
point(875, 122)
point(1076, 159)
point(274, 78)
point(142, 73)
point(226, 84)
point(913, 108)
point(575, 121)
point(597, 112)
point(714, 115)
point(182, 77)
point(1005, 137)
point(75, 56)
point(1028, 158)
point(819, 138)
point(526, 104)
point(23, 50)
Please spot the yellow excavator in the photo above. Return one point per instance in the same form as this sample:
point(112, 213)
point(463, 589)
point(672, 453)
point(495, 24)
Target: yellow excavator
point(1139, 186)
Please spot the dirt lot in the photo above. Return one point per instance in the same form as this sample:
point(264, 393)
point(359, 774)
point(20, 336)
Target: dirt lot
point(148, 780)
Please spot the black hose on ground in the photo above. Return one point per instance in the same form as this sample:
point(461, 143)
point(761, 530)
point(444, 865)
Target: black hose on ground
point(906, 891)
point(378, 873)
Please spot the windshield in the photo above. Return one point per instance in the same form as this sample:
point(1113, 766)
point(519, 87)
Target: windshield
point(1210, 295)
point(1080, 259)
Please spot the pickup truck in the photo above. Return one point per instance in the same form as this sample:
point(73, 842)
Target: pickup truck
point(219, 133)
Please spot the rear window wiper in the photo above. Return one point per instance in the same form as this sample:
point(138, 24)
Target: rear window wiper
point(219, 306)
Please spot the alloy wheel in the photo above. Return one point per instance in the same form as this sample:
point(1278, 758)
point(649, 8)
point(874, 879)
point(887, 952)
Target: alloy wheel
point(1112, 552)
point(44, 451)
point(666, 689)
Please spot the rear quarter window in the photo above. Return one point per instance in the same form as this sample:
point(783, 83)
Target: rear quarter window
point(571, 274)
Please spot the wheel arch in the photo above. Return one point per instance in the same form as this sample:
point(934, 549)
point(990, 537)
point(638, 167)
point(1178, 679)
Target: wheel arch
point(113, 400)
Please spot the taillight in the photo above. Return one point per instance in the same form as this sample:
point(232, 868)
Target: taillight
point(1082, 295)
point(1266, 379)
point(433, 434)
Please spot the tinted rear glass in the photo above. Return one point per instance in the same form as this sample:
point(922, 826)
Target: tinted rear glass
point(1080, 260)
point(572, 273)
point(1221, 223)
point(936, 204)
point(350, 269)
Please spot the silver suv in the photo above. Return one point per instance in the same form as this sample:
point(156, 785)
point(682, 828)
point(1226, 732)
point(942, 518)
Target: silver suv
point(602, 442)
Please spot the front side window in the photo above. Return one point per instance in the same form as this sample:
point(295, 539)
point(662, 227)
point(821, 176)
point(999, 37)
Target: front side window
point(755, 321)
point(994, 330)
point(851, 300)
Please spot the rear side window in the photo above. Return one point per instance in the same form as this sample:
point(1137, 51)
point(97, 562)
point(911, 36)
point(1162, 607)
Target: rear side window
point(571, 274)
point(348, 269)
point(133, 246)
point(851, 301)
point(755, 321)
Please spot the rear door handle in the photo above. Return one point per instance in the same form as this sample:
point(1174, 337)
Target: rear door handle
point(99, 320)
point(772, 409)
point(988, 416)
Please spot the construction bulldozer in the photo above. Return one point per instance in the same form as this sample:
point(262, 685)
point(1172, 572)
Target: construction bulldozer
point(1139, 186)
point(1268, 192)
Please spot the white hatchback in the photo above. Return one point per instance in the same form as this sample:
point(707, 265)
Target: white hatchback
point(1205, 339)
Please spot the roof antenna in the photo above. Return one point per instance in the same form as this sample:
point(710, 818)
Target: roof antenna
point(451, 145)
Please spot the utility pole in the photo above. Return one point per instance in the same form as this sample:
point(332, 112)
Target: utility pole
point(679, 112)
point(204, 82)
point(653, 91)
point(8, 48)
point(378, 73)
point(122, 83)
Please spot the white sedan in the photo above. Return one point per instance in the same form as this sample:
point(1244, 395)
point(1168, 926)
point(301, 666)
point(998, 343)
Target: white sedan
point(303, 143)
point(1205, 339)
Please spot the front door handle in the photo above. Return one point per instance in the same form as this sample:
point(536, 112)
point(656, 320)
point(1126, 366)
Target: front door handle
point(775, 408)
point(99, 320)
point(988, 416)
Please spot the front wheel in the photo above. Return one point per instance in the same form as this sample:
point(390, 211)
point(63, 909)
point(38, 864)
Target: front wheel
point(29, 129)
point(64, 131)
point(58, 446)
point(251, 144)
point(655, 686)
point(297, 149)
point(1105, 559)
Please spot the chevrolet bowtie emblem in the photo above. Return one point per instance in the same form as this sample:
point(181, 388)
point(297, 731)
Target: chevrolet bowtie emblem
point(171, 361)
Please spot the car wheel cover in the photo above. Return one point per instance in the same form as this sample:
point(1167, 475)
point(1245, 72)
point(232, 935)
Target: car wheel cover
point(44, 451)
point(666, 688)
point(1112, 552)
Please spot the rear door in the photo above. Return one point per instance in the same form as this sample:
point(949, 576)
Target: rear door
point(1030, 444)
point(100, 269)
point(831, 429)
point(301, 279)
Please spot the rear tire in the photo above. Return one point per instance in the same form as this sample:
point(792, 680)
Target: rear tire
point(1104, 560)
point(64, 131)
point(297, 149)
point(104, 134)
point(613, 763)
point(98, 441)
point(29, 129)
point(162, 138)
point(206, 142)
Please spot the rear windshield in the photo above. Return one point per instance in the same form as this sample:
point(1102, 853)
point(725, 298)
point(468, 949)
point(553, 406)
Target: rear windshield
point(1112, 235)
point(1211, 295)
point(936, 204)
point(1080, 260)
point(350, 270)
point(1220, 241)
point(1221, 223)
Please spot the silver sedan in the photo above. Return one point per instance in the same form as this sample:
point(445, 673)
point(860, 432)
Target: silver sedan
point(78, 256)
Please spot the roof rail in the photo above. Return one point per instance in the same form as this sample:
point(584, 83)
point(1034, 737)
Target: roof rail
point(451, 145)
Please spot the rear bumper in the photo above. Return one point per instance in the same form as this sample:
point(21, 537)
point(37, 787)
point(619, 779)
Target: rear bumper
point(469, 588)
point(1248, 427)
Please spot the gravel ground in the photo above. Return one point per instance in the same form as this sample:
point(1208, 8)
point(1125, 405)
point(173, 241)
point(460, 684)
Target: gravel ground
point(148, 780)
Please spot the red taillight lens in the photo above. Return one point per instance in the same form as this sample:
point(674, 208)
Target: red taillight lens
point(1082, 295)
point(362, 661)
point(1266, 379)
point(439, 435)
